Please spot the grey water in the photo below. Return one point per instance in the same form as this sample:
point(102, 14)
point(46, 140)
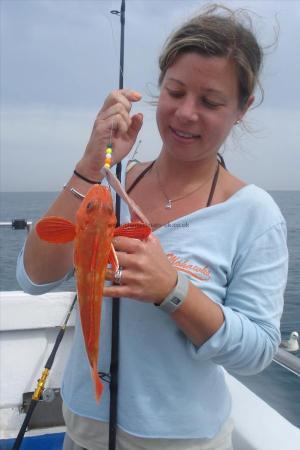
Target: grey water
point(278, 387)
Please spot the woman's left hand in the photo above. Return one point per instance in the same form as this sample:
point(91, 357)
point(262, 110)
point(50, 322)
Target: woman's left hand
point(147, 274)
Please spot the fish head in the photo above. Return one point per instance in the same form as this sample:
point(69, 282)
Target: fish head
point(96, 206)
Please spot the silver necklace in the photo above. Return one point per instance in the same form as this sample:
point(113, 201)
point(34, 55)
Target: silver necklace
point(170, 201)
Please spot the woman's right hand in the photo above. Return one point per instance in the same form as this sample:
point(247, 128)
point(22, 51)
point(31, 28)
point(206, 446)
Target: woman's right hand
point(113, 125)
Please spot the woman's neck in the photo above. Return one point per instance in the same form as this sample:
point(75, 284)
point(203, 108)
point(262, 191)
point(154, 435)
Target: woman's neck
point(184, 173)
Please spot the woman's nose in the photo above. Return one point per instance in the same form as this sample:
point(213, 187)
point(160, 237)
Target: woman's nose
point(187, 111)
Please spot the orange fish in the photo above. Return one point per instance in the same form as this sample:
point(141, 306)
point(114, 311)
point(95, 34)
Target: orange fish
point(93, 250)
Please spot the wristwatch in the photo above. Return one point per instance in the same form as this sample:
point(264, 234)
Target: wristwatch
point(177, 296)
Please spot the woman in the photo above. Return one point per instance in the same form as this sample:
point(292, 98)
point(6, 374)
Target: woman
point(205, 290)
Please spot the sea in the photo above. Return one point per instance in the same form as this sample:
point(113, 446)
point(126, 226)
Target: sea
point(278, 387)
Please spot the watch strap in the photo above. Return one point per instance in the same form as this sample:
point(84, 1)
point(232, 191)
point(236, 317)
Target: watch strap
point(177, 296)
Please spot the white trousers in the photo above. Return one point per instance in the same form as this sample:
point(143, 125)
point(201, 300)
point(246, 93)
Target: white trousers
point(90, 434)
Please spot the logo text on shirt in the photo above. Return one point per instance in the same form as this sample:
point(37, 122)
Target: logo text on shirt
point(201, 273)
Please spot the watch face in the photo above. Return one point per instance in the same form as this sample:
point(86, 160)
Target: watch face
point(175, 300)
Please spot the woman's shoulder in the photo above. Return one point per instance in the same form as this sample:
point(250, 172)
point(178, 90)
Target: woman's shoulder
point(253, 201)
point(229, 185)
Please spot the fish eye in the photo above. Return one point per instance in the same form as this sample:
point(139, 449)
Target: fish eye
point(90, 206)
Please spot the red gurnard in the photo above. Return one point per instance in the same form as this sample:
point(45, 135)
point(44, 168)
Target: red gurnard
point(93, 250)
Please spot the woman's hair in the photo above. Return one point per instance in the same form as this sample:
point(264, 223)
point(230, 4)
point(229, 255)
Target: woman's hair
point(218, 31)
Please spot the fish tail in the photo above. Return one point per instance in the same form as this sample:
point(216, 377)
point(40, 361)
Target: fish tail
point(97, 382)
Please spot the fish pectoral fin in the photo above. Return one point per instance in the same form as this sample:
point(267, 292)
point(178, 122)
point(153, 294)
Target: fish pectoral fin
point(137, 230)
point(113, 259)
point(55, 230)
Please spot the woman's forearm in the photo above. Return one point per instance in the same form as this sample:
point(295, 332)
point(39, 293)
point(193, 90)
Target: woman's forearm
point(45, 262)
point(198, 317)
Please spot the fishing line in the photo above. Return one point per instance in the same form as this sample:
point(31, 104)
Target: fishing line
point(115, 46)
point(111, 132)
point(114, 41)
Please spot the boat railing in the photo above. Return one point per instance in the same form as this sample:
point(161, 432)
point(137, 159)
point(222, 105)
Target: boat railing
point(288, 360)
point(17, 224)
point(283, 358)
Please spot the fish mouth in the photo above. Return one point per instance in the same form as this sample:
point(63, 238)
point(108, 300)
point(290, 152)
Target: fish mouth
point(184, 135)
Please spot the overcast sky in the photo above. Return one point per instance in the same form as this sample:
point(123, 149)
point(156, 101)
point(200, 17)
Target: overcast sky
point(59, 60)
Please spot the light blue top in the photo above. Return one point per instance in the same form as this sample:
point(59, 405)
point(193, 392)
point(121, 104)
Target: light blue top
point(236, 253)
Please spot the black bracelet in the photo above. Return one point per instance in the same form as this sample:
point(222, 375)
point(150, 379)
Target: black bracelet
point(85, 179)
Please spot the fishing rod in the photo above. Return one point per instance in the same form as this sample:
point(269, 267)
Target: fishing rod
point(41, 381)
point(114, 361)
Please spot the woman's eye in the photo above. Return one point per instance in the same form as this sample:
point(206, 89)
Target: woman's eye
point(175, 94)
point(210, 104)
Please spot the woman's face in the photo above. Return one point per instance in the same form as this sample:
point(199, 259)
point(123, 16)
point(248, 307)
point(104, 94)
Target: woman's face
point(197, 106)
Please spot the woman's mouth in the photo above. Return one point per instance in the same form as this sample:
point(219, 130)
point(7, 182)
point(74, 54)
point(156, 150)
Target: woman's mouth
point(184, 135)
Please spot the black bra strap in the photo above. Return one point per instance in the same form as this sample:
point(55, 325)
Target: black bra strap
point(221, 160)
point(140, 177)
point(213, 186)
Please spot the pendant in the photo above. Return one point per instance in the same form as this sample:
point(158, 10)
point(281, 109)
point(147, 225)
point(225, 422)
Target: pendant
point(169, 204)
